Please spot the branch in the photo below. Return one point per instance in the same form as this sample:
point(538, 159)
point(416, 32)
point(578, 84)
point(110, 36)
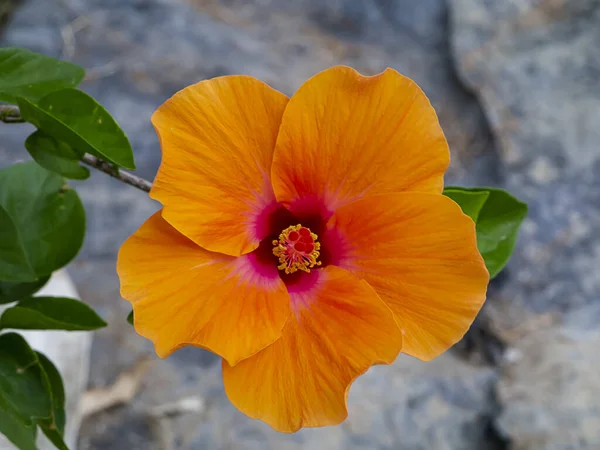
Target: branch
point(121, 175)
point(11, 114)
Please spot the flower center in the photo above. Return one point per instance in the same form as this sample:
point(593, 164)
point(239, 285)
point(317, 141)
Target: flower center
point(297, 249)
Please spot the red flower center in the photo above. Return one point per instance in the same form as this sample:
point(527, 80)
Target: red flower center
point(297, 249)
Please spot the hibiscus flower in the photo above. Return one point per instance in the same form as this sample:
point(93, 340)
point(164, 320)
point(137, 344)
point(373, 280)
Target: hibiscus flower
point(302, 239)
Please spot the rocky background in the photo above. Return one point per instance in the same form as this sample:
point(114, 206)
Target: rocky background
point(516, 84)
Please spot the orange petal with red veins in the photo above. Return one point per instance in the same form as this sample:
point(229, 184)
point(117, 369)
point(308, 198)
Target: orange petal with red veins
point(339, 327)
point(344, 136)
point(419, 252)
point(185, 295)
point(217, 139)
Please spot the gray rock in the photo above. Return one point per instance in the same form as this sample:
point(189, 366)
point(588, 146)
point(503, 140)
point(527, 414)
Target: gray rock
point(535, 67)
point(550, 390)
point(139, 52)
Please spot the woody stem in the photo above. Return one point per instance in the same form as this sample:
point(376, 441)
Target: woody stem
point(11, 114)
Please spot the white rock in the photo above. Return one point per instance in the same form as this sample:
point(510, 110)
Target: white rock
point(70, 352)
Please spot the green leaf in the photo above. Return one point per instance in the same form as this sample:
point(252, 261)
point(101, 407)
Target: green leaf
point(57, 389)
point(24, 386)
point(15, 429)
point(14, 264)
point(130, 318)
point(73, 117)
point(31, 392)
point(32, 75)
point(54, 428)
point(48, 215)
point(497, 226)
point(51, 313)
point(54, 436)
point(12, 292)
point(56, 156)
point(470, 202)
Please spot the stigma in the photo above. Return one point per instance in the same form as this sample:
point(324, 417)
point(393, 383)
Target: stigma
point(297, 249)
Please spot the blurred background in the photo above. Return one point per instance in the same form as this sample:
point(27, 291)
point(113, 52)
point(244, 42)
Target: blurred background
point(516, 84)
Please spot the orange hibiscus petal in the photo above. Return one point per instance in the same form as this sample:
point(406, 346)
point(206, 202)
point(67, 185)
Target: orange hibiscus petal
point(344, 136)
point(419, 252)
point(340, 328)
point(217, 139)
point(185, 295)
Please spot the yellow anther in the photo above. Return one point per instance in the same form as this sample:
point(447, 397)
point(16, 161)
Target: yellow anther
point(297, 249)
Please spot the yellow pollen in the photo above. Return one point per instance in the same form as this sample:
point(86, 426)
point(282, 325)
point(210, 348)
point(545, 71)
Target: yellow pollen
point(297, 249)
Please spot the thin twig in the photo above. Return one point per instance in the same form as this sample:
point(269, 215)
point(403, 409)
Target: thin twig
point(125, 177)
point(11, 114)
